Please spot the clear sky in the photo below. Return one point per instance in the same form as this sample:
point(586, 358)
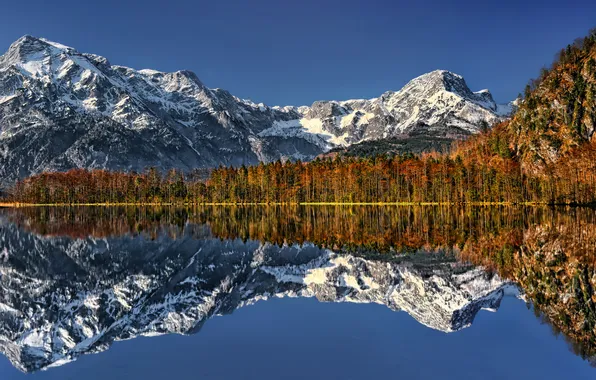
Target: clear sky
point(294, 52)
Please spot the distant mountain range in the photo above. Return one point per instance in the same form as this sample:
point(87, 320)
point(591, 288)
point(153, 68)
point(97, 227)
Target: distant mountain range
point(61, 109)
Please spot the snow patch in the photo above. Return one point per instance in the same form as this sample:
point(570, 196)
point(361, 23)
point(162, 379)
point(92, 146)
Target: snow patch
point(56, 44)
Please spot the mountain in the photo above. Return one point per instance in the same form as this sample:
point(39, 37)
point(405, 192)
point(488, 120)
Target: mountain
point(437, 104)
point(64, 297)
point(393, 146)
point(558, 114)
point(552, 133)
point(62, 109)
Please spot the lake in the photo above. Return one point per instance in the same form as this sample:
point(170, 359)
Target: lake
point(297, 292)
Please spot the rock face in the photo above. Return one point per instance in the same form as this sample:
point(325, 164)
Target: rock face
point(63, 297)
point(61, 109)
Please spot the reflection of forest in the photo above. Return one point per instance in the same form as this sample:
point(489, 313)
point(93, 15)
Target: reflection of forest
point(555, 266)
point(550, 253)
point(368, 227)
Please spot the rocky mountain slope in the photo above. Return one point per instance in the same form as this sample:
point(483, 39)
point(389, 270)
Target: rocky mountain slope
point(63, 297)
point(61, 109)
point(553, 132)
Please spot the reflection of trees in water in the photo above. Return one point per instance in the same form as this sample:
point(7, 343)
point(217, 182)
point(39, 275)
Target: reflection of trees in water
point(555, 265)
point(99, 222)
point(369, 227)
point(550, 253)
point(557, 270)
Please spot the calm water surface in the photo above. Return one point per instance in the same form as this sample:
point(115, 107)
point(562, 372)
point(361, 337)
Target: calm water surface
point(303, 292)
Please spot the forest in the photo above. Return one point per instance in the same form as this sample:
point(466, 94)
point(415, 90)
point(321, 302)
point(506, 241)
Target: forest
point(428, 178)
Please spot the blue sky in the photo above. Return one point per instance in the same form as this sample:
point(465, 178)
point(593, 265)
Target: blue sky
point(295, 52)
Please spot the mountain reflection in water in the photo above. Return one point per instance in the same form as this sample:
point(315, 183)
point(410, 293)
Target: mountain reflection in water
point(75, 279)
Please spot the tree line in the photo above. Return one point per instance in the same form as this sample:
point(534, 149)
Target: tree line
point(483, 170)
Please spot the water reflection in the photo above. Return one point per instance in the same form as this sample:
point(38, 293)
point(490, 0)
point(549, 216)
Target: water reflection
point(369, 227)
point(74, 280)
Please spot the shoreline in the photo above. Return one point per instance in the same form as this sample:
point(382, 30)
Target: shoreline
point(168, 204)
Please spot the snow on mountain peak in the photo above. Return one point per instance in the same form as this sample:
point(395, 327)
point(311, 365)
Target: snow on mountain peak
point(436, 75)
point(28, 39)
point(56, 44)
point(27, 46)
point(439, 80)
point(150, 72)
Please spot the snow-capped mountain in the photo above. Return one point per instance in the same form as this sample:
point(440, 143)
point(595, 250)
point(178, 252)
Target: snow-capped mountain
point(437, 104)
point(62, 297)
point(61, 109)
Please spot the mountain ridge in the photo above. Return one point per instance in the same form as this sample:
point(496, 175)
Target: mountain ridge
point(62, 109)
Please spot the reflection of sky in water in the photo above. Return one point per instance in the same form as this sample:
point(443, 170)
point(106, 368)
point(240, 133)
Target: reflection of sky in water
point(302, 338)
